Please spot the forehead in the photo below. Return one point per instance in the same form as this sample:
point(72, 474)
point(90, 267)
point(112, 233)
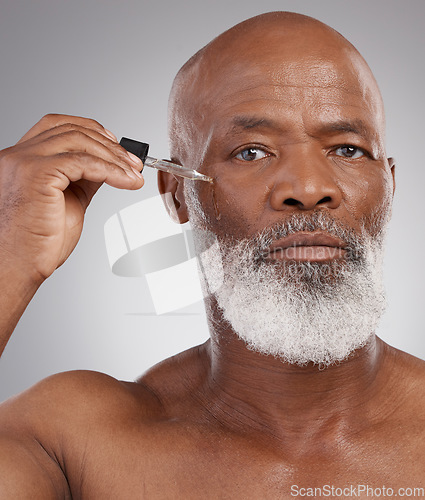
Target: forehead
point(307, 84)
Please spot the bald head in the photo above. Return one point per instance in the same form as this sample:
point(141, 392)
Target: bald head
point(280, 49)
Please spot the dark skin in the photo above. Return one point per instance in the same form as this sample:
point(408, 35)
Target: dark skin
point(219, 420)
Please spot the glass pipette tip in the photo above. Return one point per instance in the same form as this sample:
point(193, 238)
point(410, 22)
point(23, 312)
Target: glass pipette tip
point(173, 168)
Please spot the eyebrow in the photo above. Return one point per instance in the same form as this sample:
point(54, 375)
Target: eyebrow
point(250, 122)
point(356, 126)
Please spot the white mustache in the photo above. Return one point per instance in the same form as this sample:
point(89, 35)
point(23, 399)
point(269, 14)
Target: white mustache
point(258, 246)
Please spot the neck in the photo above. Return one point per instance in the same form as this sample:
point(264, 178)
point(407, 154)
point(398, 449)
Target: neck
point(289, 401)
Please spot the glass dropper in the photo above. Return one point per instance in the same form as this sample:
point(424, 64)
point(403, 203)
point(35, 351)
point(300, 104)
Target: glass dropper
point(173, 168)
point(140, 149)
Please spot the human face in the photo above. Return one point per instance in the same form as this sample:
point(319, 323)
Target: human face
point(295, 144)
point(288, 133)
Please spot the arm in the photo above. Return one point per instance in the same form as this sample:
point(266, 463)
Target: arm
point(28, 473)
point(57, 435)
point(30, 465)
point(47, 180)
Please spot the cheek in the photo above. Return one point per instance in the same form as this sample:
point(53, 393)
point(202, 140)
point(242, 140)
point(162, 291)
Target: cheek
point(235, 202)
point(381, 200)
point(368, 197)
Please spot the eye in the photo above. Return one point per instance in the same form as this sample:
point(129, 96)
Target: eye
point(348, 151)
point(251, 154)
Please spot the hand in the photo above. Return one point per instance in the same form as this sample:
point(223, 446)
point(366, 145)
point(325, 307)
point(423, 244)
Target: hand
point(47, 180)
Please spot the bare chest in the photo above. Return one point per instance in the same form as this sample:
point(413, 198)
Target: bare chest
point(188, 464)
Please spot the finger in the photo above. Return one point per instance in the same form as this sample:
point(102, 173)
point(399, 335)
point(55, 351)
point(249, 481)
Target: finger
point(58, 171)
point(51, 121)
point(80, 140)
point(69, 127)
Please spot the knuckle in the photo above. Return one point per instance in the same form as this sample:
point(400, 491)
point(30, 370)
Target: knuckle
point(94, 124)
point(67, 128)
point(75, 129)
point(50, 118)
point(48, 122)
point(54, 120)
point(83, 159)
point(74, 133)
point(79, 156)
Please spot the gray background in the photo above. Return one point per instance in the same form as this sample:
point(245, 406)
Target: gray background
point(114, 61)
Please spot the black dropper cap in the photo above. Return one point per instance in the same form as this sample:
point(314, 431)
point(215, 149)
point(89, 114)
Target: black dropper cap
point(140, 149)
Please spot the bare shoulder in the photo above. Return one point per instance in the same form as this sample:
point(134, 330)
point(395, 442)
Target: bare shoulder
point(49, 428)
point(77, 398)
point(85, 398)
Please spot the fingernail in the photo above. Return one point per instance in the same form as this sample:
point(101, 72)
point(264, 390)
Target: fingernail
point(135, 159)
point(139, 174)
point(111, 135)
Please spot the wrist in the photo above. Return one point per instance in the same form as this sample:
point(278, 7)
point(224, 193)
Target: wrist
point(17, 287)
point(18, 277)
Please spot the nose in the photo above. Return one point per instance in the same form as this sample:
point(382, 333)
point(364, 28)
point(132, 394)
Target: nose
point(305, 183)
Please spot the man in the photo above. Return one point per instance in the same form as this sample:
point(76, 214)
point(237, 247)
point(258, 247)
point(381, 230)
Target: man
point(293, 390)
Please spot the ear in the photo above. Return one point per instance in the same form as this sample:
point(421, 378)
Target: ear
point(171, 190)
point(391, 163)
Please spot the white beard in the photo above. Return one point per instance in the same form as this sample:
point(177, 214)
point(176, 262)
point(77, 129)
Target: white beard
point(300, 312)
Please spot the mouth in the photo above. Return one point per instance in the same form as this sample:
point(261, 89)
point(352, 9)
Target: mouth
point(307, 247)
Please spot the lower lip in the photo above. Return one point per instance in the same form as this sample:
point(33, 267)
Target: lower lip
point(307, 253)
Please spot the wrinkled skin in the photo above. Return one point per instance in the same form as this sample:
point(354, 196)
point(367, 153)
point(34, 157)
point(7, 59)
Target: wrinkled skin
point(221, 421)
